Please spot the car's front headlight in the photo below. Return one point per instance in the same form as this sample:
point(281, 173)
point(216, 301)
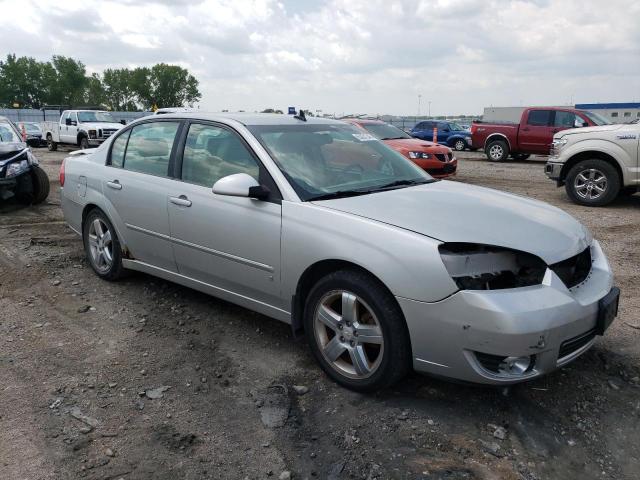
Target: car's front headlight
point(557, 145)
point(415, 155)
point(485, 267)
point(16, 168)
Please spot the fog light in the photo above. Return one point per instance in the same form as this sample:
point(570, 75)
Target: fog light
point(515, 365)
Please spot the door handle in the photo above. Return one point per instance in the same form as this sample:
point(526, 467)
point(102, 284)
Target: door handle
point(182, 200)
point(115, 185)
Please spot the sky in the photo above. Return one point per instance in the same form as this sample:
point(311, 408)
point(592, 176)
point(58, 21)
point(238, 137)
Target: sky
point(352, 56)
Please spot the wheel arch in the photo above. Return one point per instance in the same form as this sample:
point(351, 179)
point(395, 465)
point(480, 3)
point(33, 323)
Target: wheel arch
point(94, 206)
point(81, 134)
point(590, 155)
point(308, 279)
point(497, 136)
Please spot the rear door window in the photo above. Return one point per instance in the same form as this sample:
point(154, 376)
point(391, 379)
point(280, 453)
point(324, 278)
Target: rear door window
point(149, 148)
point(540, 118)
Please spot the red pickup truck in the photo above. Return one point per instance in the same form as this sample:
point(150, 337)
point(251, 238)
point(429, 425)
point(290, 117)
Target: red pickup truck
point(533, 135)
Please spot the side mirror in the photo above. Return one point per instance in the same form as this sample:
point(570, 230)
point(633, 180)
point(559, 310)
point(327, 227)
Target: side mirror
point(68, 121)
point(123, 122)
point(240, 185)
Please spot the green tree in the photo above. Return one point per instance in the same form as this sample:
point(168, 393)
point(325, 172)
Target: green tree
point(166, 86)
point(95, 93)
point(26, 82)
point(120, 89)
point(71, 80)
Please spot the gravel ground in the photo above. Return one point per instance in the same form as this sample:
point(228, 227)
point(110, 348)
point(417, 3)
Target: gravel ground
point(144, 379)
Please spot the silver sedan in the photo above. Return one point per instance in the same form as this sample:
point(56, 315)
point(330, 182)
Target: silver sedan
point(314, 223)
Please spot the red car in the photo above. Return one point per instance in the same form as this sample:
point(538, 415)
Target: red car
point(437, 160)
point(533, 135)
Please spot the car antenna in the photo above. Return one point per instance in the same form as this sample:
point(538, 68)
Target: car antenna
point(300, 116)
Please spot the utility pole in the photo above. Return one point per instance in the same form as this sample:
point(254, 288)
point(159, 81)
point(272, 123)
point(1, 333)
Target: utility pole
point(429, 108)
point(419, 100)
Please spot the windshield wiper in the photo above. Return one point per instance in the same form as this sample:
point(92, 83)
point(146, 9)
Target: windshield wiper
point(340, 194)
point(402, 183)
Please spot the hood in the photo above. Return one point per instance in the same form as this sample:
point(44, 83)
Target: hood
point(411, 144)
point(98, 125)
point(601, 128)
point(457, 212)
point(8, 150)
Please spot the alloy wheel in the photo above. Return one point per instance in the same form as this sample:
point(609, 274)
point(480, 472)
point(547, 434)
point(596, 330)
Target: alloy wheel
point(459, 145)
point(496, 152)
point(348, 334)
point(590, 184)
point(100, 245)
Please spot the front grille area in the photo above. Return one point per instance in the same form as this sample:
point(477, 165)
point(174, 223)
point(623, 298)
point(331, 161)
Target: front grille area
point(574, 270)
point(490, 362)
point(576, 343)
point(448, 168)
point(441, 156)
point(107, 132)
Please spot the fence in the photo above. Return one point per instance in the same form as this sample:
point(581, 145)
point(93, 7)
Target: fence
point(32, 115)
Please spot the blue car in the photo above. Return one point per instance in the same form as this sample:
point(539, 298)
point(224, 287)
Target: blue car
point(449, 133)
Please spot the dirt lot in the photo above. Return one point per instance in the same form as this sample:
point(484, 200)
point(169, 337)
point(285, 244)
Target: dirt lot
point(82, 360)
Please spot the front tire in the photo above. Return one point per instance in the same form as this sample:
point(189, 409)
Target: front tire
point(41, 185)
point(84, 143)
point(593, 183)
point(102, 247)
point(356, 331)
point(51, 145)
point(497, 151)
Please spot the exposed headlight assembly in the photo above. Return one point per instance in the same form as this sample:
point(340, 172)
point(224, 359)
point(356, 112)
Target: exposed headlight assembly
point(557, 145)
point(485, 267)
point(415, 155)
point(16, 168)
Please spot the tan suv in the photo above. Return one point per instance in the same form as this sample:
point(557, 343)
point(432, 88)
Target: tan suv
point(596, 164)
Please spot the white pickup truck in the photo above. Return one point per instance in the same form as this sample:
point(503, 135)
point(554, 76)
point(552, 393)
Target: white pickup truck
point(596, 164)
point(81, 128)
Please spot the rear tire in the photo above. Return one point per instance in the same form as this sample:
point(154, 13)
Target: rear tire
point(41, 185)
point(497, 151)
point(593, 183)
point(102, 247)
point(51, 145)
point(459, 145)
point(365, 347)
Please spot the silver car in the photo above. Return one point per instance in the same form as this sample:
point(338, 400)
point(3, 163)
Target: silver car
point(317, 224)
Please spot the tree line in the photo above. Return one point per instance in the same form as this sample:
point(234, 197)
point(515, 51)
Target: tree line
point(28, 83)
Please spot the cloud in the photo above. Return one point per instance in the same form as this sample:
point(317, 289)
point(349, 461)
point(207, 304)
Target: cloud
point(370, 56)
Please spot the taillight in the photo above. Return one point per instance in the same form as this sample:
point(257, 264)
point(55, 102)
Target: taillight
point(473, 128)
point(62, 173)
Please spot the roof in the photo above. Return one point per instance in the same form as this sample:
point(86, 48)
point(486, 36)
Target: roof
point(606, 106)
point(252, 118)
point(363, 121)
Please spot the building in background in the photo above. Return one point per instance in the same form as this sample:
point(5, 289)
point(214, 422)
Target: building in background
point(615, 112)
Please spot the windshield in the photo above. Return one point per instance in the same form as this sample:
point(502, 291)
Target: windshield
point(384, 131)
point(596, 118)
point(31, 128)
point(330, 161)
point(95, 117)
point(8, 132)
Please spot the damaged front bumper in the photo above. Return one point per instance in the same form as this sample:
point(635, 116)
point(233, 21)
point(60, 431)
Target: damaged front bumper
point(510, 335)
